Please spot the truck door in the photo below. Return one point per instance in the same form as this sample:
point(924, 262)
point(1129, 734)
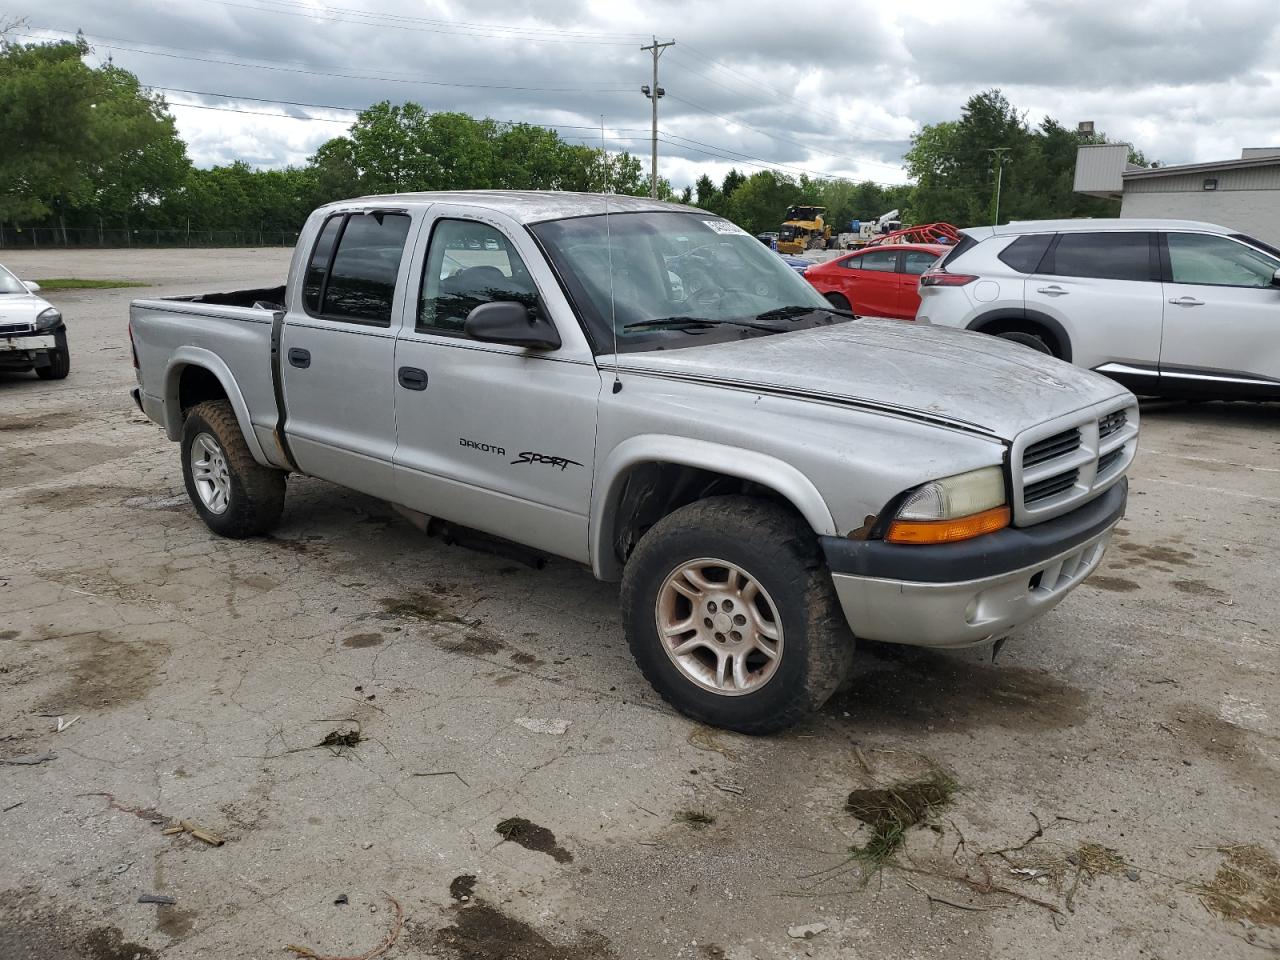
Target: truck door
point(491, 436)
point(337, 351)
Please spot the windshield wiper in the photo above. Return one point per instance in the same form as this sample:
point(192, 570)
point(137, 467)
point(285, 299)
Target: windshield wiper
point(696, 323)
point(673, 323)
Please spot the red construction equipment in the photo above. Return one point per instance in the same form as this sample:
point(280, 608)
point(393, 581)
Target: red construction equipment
point(925, 233)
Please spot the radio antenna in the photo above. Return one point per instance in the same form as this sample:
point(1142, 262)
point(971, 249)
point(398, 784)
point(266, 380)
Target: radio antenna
point(608, 241)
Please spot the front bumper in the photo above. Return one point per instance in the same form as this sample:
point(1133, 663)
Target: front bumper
point(962, 594)
point(28, 342)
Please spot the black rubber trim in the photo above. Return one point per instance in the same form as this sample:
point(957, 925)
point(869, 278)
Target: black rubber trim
point(1012, 548)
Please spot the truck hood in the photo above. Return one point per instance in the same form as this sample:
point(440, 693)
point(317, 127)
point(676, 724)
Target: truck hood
point(20, 308)
point(954, 378)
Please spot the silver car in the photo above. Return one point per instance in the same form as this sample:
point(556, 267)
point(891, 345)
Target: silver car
point(32, 334)
point(1170, 308)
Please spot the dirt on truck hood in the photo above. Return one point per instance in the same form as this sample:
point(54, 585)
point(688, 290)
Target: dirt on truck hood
point(956, 378)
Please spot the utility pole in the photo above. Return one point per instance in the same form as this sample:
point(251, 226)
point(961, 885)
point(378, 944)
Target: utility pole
point(998, 153)
point(655, 93)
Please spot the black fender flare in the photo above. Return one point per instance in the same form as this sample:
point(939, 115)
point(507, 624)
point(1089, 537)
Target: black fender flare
point(1027, 318)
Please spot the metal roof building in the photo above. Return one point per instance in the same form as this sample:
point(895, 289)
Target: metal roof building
point(1242, 194)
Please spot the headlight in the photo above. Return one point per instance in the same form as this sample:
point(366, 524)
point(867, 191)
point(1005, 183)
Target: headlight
point(953, 508)
point(48, 319)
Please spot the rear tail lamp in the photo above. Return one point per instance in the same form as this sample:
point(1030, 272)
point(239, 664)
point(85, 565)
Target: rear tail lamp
point(940, 278)
point(133, 346)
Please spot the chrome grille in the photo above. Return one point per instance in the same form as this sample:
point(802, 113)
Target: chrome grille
point(1051, 448)
point(1066, 462)
point(8, 329)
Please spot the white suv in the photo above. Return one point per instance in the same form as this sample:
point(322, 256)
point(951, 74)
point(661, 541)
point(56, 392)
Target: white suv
point(1170, 308)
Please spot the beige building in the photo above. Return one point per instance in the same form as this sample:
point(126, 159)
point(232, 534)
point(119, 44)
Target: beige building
point(1242, 194)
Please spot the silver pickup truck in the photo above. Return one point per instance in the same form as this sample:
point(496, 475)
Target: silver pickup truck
point(644, 388)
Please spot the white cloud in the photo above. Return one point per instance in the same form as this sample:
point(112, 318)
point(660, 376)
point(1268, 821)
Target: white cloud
point(840, 94)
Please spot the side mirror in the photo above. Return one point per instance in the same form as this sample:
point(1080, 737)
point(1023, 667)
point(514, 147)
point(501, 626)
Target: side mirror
point(505, 321)
point(31, 285)
point(1275, 278)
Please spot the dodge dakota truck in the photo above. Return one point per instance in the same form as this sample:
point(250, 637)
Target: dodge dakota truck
point(644, 388)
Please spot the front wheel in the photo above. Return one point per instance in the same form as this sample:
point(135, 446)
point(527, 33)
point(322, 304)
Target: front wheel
point(732, 617)
point(236, 496)
point(59, 360)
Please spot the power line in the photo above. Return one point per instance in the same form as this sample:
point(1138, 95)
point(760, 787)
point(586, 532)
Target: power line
point(341, 76)
point(362, 19)
point(461, 23)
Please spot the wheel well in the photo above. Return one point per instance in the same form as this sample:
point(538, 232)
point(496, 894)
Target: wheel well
point(1044, 327)
point(196, 385)
point(651, 491)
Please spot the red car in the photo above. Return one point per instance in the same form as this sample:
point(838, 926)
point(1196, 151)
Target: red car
point(877, 281)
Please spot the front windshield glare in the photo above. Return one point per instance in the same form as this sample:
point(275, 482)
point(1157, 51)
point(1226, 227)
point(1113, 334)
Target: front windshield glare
point(672, 279)
point(9, 283)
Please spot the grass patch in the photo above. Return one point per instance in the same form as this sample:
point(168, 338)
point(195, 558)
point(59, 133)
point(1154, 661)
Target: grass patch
point(891, 811)
point(76, 283)
point(694, 818)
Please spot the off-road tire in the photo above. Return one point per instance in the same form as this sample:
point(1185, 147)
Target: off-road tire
point(839, 301)
point(1032, 340)
point(777, 548)
point(257, 492)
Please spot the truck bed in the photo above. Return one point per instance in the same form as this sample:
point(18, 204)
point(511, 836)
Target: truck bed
point(227, 333)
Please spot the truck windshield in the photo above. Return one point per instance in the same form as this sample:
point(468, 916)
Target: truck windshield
point(9, 283)
point(668, 279)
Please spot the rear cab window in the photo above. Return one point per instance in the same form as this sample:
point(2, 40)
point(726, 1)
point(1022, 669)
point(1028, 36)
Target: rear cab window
point(351, 276)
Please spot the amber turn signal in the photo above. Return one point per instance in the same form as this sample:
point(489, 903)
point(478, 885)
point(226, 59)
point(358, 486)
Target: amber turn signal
point(948, 531)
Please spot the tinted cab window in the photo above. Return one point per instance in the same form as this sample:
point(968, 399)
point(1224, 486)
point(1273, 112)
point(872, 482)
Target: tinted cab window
point(1103, 256)
point(353, 268)
point(1026, 252)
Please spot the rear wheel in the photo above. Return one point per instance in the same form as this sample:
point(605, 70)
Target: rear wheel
point(838, 301)
point(731, 615)
point(234, 495)
point(1032, 340)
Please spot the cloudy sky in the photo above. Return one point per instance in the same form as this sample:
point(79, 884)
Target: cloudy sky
point(828, 88)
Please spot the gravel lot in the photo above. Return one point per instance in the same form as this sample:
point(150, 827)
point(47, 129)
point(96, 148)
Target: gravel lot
point(1139, 718)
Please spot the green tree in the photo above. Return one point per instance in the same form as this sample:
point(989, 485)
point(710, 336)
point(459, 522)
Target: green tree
point(79, 138)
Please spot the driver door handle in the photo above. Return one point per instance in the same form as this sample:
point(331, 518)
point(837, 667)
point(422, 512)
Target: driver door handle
point(1187, 302)
point(1053, 291)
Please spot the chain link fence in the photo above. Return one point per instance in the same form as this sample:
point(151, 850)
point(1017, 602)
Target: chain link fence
point(41, 237)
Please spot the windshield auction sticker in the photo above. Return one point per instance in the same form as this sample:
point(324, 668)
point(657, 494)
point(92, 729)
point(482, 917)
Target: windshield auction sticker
point(724, 226)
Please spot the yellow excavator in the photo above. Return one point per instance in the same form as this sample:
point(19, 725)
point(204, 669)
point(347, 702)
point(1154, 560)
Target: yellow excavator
point(805, 228)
